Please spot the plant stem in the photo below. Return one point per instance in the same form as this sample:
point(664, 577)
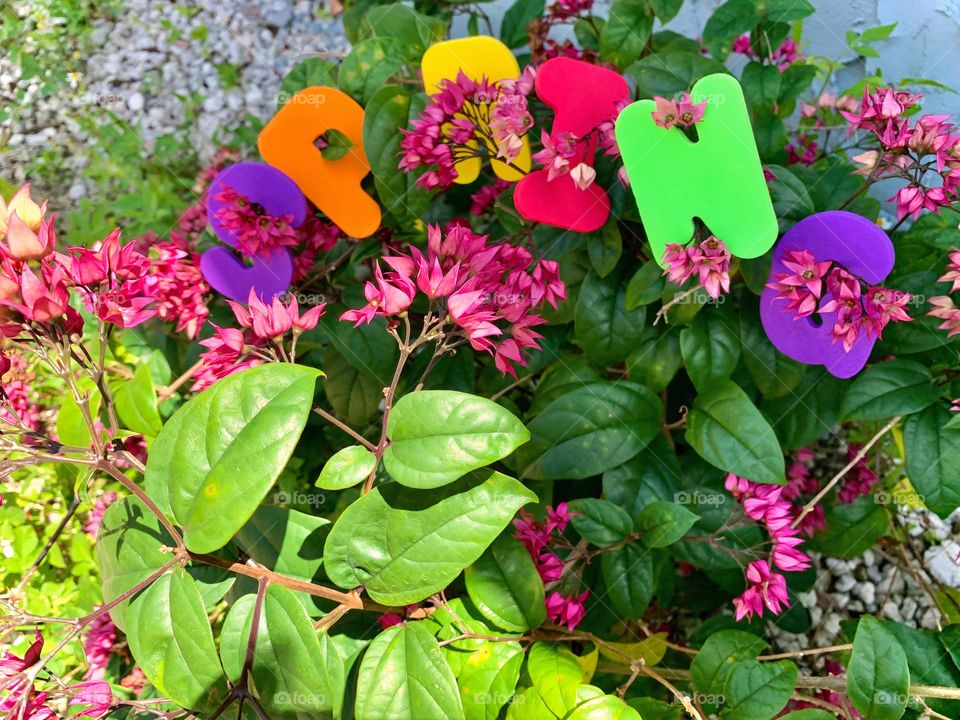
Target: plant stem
point(346, 428)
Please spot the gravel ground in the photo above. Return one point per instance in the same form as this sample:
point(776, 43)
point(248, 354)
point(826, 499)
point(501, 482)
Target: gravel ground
point(233, 55)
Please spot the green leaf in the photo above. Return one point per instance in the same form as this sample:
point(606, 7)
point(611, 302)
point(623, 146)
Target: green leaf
point(286, 541)
point(728, 431)
point(489, 678)
point(308, 73)
point(607, 707)
point(437, 436)
point(626, 32)
point(71, 425)
point(603, 326)
point(128, 551)
point(355, 394)
point(370, 64)
point(516, 20)
point(758, 690)
point(710, 347)
point(505, 586)
point(221, 452)
point(591, 429)
point(652, 475)
point(712, 667)
point(808, 411)
point(808, 715)
point(170, 638)
point(664, 523)
point(878, 679)
point(774, 374)
point(761, 83)
point(390, 108)
point(795, 81)
point(555, 673)
point(398, 21)
point(895, 387)
point(928, 663)
point(852, 528)
point(932, 453)
point(599, 521)
point(645, 287)
point(296, 672)
point(136, 403)
point(628, 574)
point(651, 709)
point(604, 248)
point(877, 32)
point(348, 467)
point(791, 201)
point(403, 676)
point(665, 10)
point(338, 144)
point(404, 545)
point(787, 10)
point(731, 19)
point(671, 72)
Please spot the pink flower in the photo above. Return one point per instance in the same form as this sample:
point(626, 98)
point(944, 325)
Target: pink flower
point(767, 589)
point(803, 286)
point(389, 294)
point(98, 646)
point(944, 309)
point(483, 199)
point(275, 320)
point(258, 233)
point(96, 694)
point(859, 481)
point(711, 261)
point(558, 518)
point(953, 271)
point(679, 263)
point(11, 665)
point(388, 620)
point(178, 287)
point(689, 113)
point(583, 175)
point(564, 610)
point(550, 567)
point(532, 534)
point(556, 154)
point(29, 236)
point(92, 526)
point(667, 114)
point(883, 306)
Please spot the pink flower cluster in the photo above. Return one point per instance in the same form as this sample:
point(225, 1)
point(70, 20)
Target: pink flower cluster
point(859, 481)
point(767, 588)
point(177, 285)
point(783, 57)
point(801, 482)
point(804, 151)
point(683, 112)
point(813, 286)
point(483, 199)
point(490, 296)
point(92, 526)
point(943, 306)
point(18, 407)
point(98, 646)
point(708, 260)
point(466, 119)
point(20, 699)
point(908, 151)
point(539, 538)
point(258, 233)
point(230, 350)
point(316, 236)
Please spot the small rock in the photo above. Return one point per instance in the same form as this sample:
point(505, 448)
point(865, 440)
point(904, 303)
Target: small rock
point(135, 102)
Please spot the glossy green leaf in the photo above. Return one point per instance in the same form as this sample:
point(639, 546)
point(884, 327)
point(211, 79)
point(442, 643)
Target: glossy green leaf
point(774, 374)
point(170, 638)
point(731, 19)
point(646, 286)
point(895, 387)
point(758, 690)
point(761, 83)
point(604, 248)
point(711, 668)
point(878, 679)
point(933, 458)
point(437, 436)
point(710, 347)
point(296, 672)
point(286, 541)
point(221, 452)
point(517, 19)
point(403, 676)
point(591, 429)
point(652, 475)
point(626, 32)
point(600, 521)
point(136, 403)
point(604, 328)
point(404, 545)
point(664, 523)
point(505, 586)
point(628, 574)
point(347, 467)
point(728, 431)
point(489, 678)
point(555, 673)
point(128, 551)
point(603, 707)
point(370, 64)
point(852, 528)
point(354, 393)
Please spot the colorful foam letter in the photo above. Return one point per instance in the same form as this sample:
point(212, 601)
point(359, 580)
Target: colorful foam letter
point(477, 57)
point(224, 269)
point(719, 178)
point(849, 240)
point(582, 96)
point(287, 143)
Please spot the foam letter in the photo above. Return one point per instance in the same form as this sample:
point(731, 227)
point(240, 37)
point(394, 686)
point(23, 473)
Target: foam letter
point(849, 240)
point(582, 96)
point(287, 143)
point(222, 267)
point(718, 179)
point(477, 57)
